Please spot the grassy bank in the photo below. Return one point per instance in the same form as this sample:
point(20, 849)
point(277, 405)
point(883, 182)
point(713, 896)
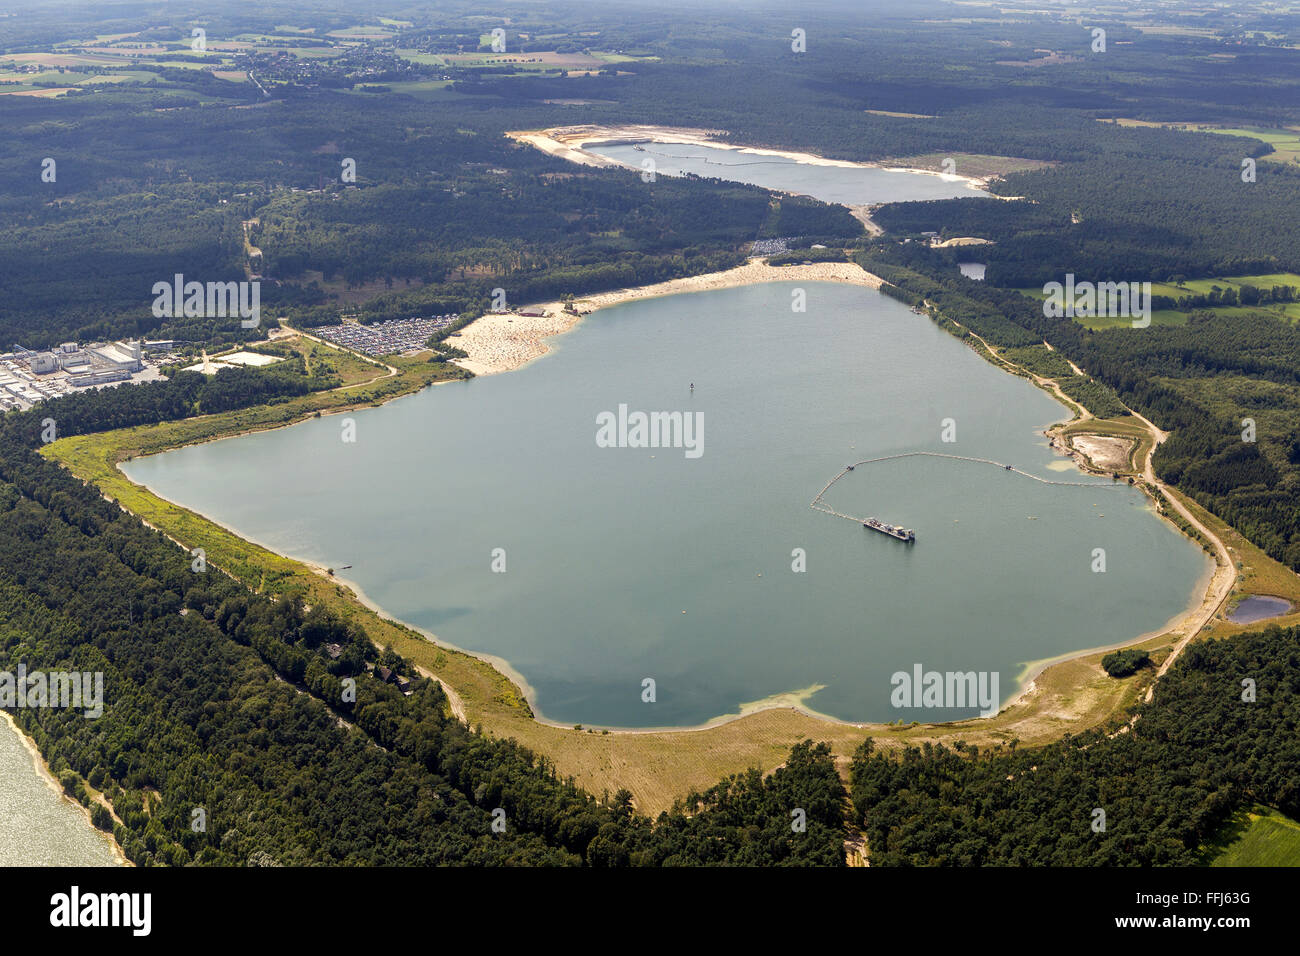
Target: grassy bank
point(1260, 836)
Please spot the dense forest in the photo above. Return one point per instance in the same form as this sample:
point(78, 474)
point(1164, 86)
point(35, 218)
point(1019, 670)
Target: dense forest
point(182, 395)
point(1196, 755)
point(438, 218)
point(302, 742)
point(229, 702)
point(158, 178)
point(1201, 381)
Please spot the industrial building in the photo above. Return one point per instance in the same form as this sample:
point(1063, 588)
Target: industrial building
point(71, 356)
point(28, 377)
point(99, 377)
point(42, 363)
point(122, 355)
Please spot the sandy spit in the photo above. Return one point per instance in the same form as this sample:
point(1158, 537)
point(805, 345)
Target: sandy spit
point(500, 342)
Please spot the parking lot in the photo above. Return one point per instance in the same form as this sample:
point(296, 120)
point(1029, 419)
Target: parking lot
point(386, 338)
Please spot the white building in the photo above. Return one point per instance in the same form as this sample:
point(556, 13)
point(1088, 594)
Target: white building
point(124, 355)
point(75, 358)
point(44, 362)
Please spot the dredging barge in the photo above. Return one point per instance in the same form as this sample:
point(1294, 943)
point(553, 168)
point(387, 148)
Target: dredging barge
point(907, 534)
point(884, 527)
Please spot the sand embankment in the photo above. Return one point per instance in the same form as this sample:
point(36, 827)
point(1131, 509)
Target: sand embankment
point(500, 342)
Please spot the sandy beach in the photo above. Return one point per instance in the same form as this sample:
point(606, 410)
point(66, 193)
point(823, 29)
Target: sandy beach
point(500, 342)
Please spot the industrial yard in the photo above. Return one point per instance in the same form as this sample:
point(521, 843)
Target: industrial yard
point(28, 377)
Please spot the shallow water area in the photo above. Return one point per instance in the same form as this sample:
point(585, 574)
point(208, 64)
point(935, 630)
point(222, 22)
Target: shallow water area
point(1259, 607)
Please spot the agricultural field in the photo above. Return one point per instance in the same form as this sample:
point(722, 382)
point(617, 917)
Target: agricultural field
point(532, 61)
point(1099, 323)
point(424, 59)
point(1203, 286)
point(1284, 140)
point(420, 89)
point(48, 92)
point(1260, 836)
point(1288, 312)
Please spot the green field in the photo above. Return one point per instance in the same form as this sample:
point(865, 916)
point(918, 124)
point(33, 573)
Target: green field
point(1258, 837)
point(126, 76)
point(1285, 142)
point(1201, 286)
point(420, 89)
point(1100, 323)
point(1284, 312)
point(622, 57)
point(427, 59)
point(65, 78)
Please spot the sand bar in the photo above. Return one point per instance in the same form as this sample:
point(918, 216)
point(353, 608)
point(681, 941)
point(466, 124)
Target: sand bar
point(500, 342)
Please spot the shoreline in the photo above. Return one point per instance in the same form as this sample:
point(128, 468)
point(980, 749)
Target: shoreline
point(791, 700)
point(503, 342)
point(570, 143)
point(47, 776)
point(529, 335)
point(1032, 670)
point(500, 342)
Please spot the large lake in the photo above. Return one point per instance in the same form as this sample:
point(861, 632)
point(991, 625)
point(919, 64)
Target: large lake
point(623, 564)
point(840, 184)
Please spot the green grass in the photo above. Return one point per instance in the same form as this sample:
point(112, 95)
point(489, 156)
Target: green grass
point(126, 76)
point(1202, 286)
point(425, 59)
point(1260, 836)
point(1285, 142)
point(420, 89)
point(1284, 312)
point(1097, 323)
point(623, 58)
point(66, 78)
point(186, 65)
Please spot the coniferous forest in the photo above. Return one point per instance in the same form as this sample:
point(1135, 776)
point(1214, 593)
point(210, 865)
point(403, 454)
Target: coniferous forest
point(1171, 158)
